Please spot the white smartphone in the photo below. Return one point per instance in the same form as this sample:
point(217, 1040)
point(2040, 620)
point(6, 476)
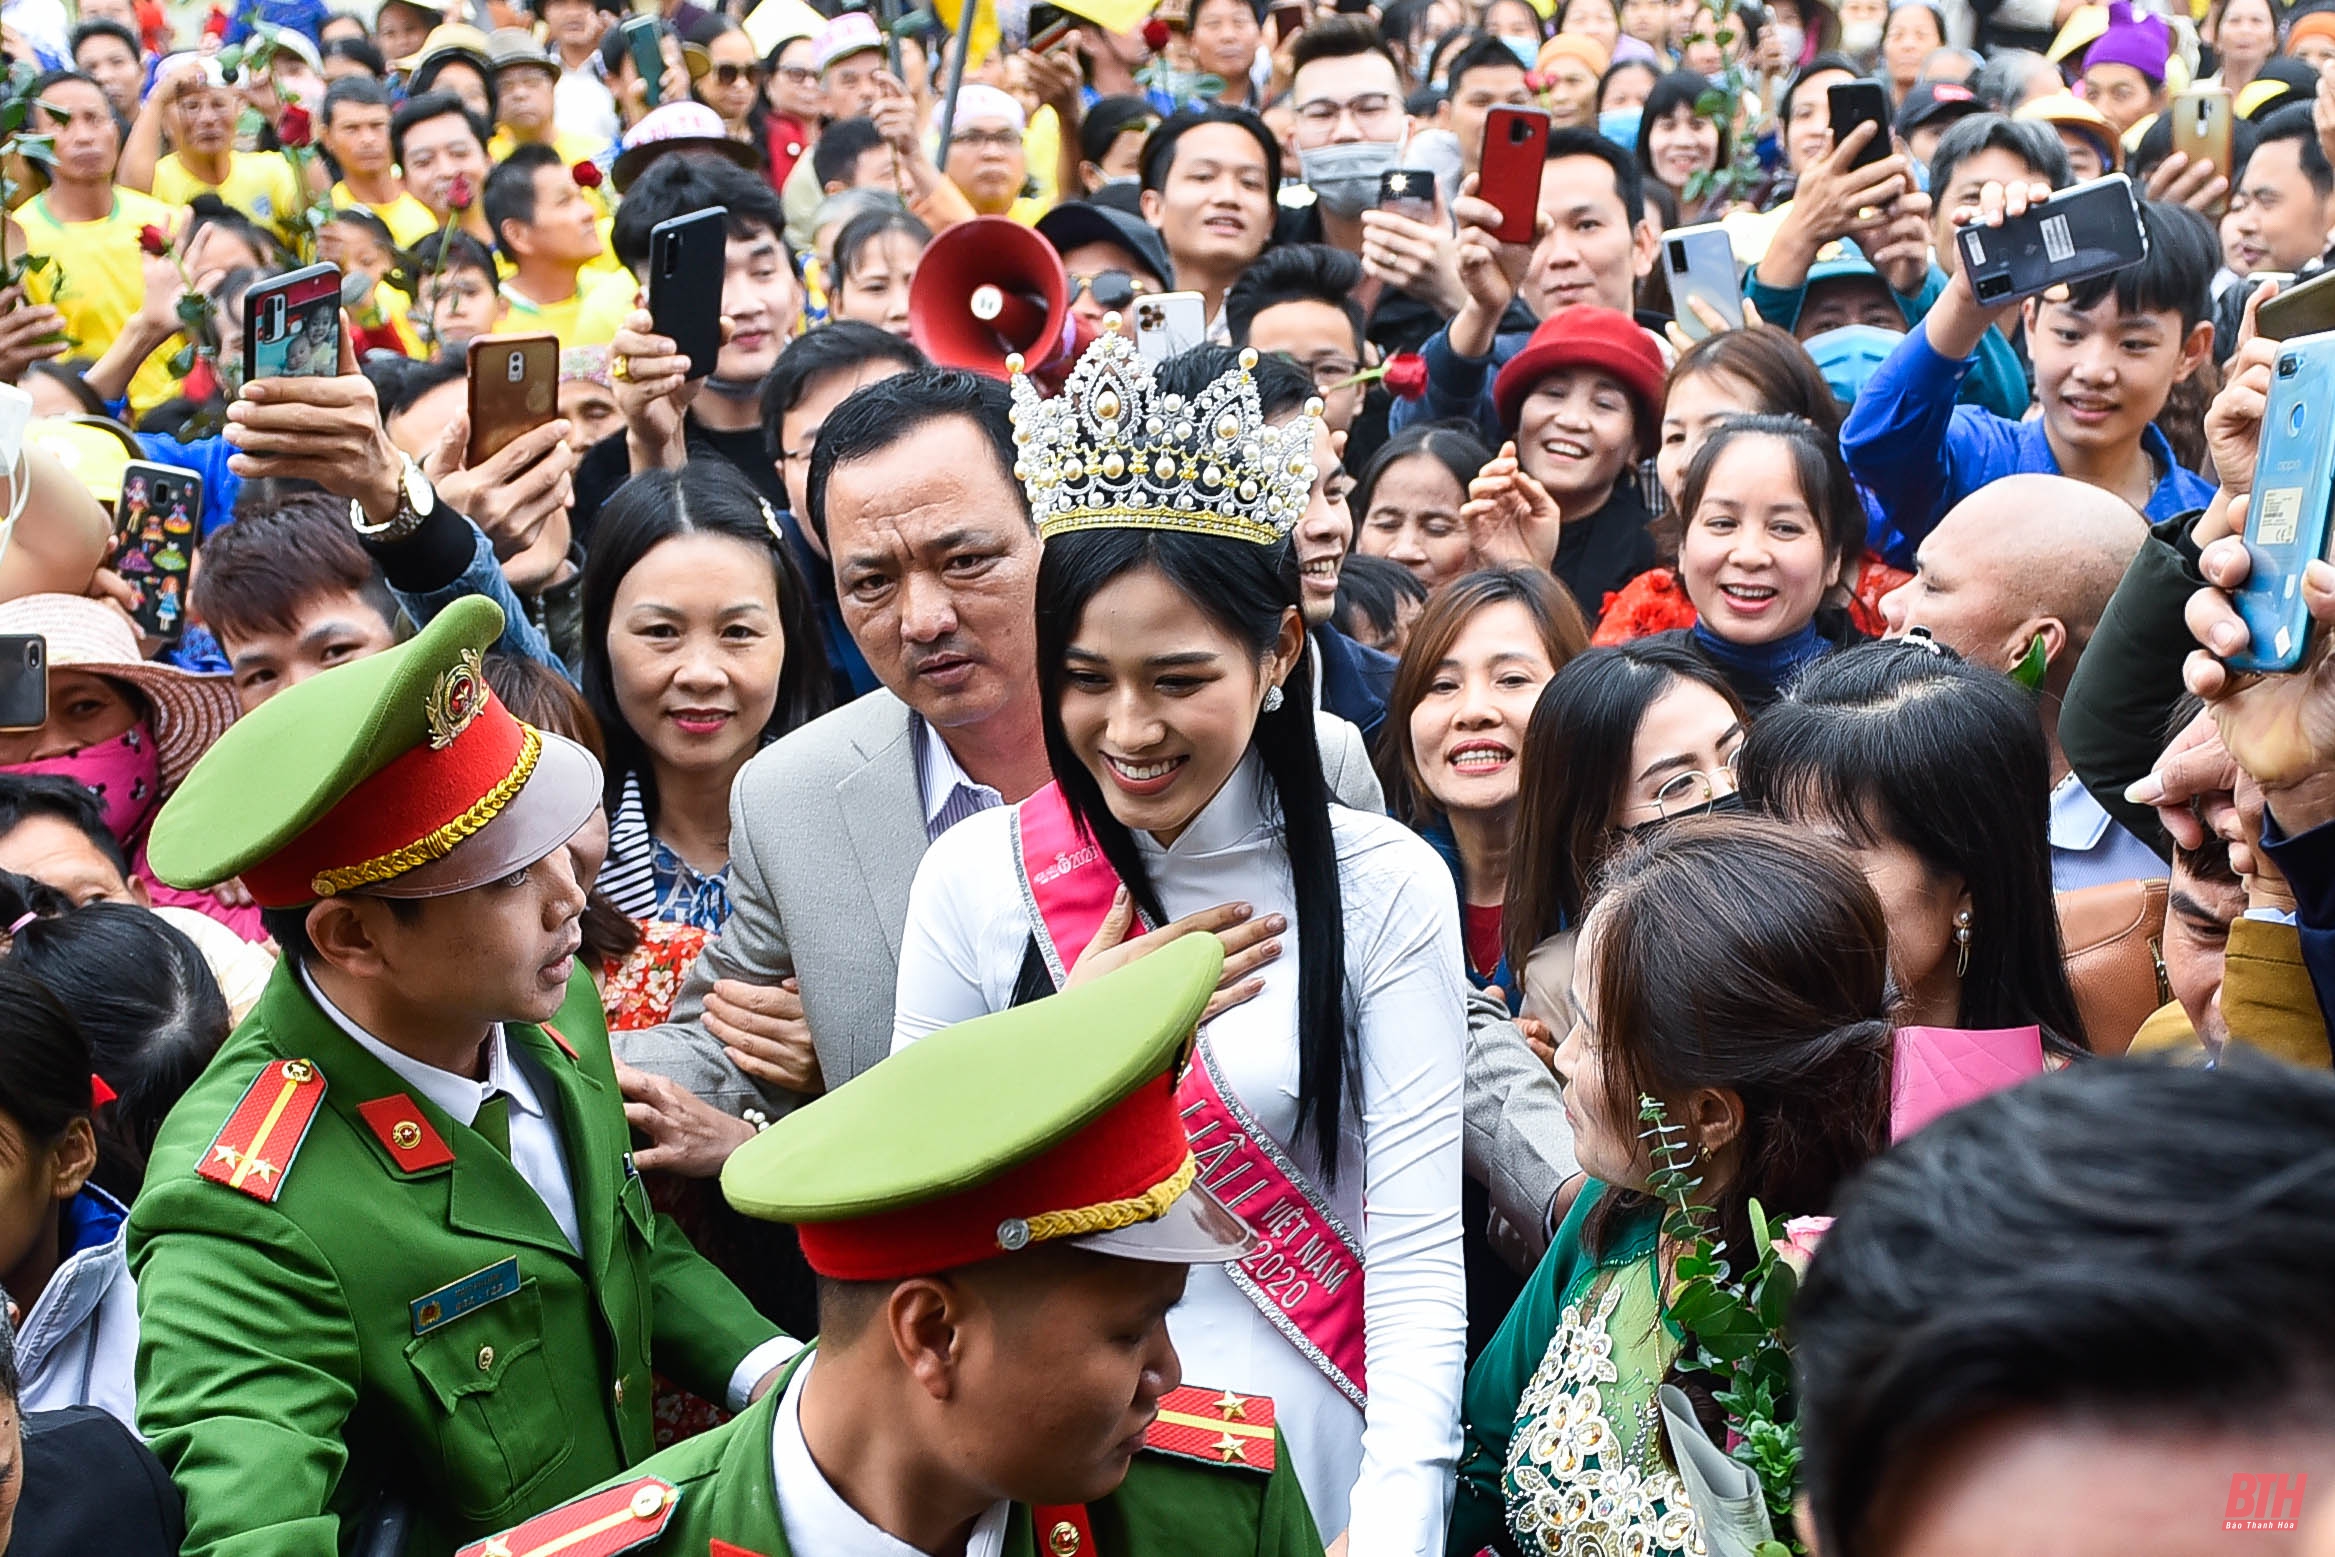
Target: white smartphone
point(1170, 322)
point(1700, 263)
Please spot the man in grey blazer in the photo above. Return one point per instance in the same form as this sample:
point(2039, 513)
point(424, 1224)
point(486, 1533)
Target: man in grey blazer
point(936, 564)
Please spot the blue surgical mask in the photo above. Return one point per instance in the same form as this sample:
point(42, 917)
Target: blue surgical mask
point(1620, 126)
point(1526, 50)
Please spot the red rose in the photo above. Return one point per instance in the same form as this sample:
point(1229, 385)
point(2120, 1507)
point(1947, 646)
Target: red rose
point(153, 240)
point(293, 128)
point(459, 194)
point(1155, 35)
point(587, 174)
point(201, 382)
point(1406, 375)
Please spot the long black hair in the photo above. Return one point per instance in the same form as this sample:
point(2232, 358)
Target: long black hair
point(146, 1004)
point(703, 497)
point(1248, 591)
point(1906, 741)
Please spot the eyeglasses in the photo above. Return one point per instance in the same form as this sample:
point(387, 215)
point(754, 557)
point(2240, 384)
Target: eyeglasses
point(1003, 140)
point(1331, 372)
point(798, 75)
point(1109, 288)
point(1686, 791)
point(730, 75)
point(1369, 108)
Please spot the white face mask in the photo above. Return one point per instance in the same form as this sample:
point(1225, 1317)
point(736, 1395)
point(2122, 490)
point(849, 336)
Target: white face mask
point(1791, 40)
point(1860, 37)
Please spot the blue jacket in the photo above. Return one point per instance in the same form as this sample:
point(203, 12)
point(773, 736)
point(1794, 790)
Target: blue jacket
point(1998, 381)
point(306, 17)
point(1357, 680)
point(1918, 453)
point(207, 458)
point(1460, 388)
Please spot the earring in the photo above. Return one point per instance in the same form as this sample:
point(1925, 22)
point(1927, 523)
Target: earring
point(1962, 943)
point(1274, 699)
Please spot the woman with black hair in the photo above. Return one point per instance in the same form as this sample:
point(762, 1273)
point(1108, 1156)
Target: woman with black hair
point(1174, 671)
point(876, 255)
point(1406, 502)
point(145, 1002)
point(1935, 775)
point(700, 648)
point(1679, 145)
point(1621, 739)
point(62, 1258)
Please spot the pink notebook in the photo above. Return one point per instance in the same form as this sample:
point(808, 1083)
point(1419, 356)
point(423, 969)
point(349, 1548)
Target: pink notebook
point(1942, 1068)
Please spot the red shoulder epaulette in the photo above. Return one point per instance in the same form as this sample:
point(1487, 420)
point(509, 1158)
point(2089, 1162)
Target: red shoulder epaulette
point(598, 1524)
point(255, 1147)
point(1216, 1426)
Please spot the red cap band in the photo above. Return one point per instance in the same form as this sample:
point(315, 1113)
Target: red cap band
point(423, 792)
point(1131, 1148)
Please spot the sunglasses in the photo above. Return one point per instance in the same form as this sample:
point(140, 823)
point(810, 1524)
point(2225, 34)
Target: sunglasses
point(1110, 288)
point(731, 75)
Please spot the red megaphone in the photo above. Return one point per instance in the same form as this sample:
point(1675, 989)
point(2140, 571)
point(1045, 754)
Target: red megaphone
point(991, 287)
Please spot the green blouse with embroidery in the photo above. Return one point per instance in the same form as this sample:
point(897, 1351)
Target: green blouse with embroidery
point(1563, 1444)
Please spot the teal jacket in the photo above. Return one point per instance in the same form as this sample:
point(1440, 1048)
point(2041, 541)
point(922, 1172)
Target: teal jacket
point(290, 1369)
point(1998, 379)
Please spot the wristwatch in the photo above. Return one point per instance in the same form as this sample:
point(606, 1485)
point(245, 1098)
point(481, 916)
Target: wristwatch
point(416, 499)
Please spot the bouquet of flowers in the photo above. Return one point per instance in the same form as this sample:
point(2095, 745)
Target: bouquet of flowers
point(1734, 1332)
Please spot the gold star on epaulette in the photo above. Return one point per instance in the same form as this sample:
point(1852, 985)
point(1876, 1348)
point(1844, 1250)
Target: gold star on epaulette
point(1234, 1408)
point(1231, 1448)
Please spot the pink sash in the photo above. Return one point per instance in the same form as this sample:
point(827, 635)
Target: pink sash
point(1305, 1276)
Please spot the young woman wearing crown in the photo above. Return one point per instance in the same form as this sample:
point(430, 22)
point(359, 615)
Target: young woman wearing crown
point(1323, 1098)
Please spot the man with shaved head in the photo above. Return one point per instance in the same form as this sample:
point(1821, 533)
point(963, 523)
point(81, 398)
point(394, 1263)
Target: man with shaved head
point(2026, 564)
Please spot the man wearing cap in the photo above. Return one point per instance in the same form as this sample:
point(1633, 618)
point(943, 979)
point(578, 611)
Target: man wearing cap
point(994, 1373)
point(984, 157)
point(391, 1250)
point(1929, 109)
point(1111, 258)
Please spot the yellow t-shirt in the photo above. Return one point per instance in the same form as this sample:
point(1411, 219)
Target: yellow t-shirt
point(408, 220)
point(589, 318)
point(260, 184)
point(99, 281)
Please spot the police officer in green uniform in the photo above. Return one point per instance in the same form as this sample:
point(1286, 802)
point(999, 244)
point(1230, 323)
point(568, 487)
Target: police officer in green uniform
point(1000, 1218)
point(394, 1264)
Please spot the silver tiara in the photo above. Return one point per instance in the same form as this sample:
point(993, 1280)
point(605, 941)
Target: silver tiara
point(1112, 452)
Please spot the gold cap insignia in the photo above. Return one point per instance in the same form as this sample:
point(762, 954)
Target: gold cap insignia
point(1062, 1540)
point(455, 699)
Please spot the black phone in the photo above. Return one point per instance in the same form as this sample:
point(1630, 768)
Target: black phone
point(292, 325)
point(644, 37)
point(2081, 232)
point(24, 681)
point(1408, 192)
point(1860, 102)
point(687, 262)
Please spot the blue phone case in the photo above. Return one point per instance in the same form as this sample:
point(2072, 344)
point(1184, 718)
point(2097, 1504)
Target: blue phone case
point(2287, 519)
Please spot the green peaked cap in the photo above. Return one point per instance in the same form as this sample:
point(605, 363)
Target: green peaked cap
point(975, 1100)
point(290, 760)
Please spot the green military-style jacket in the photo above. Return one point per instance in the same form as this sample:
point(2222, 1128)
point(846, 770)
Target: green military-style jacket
point(721, 1486)
point(360, 1333)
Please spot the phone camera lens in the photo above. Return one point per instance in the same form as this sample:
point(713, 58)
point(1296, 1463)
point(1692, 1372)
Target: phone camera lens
point(1678, 256)
point(1517, 131)
point(2288, 366)
point(32, 656)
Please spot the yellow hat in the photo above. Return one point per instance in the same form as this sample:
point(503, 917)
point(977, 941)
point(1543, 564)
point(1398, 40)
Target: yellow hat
point(1575, 45)
point(2069, 111)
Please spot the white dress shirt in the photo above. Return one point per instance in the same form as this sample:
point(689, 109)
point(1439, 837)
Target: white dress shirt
point(818, 1523)
point(1382, 1475)
point(536, 1148)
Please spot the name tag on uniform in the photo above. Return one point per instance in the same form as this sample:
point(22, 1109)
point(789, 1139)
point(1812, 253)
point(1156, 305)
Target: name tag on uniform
point(473, 1292)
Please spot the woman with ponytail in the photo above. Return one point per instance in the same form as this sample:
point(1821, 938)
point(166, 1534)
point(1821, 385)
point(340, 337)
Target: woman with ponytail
point(1176, 681)
point(1736, 972)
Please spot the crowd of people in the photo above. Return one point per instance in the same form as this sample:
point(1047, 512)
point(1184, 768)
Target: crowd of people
point(1391, 893)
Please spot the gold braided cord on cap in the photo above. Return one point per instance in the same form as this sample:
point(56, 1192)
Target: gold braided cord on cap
point(438, 842)
point(1111, 1215)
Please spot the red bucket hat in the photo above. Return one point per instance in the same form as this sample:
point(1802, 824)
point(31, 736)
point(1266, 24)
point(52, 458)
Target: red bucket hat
point(1587, 337)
